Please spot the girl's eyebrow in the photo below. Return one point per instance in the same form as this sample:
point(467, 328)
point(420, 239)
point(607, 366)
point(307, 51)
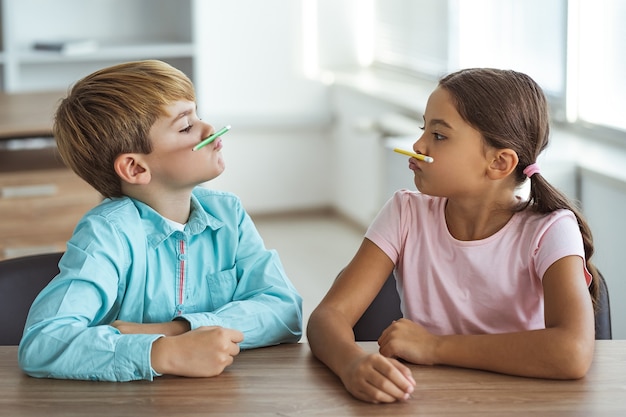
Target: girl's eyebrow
point(435, 122)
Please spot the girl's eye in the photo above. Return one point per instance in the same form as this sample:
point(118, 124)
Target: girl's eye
point(437, 136)
point(187, 129)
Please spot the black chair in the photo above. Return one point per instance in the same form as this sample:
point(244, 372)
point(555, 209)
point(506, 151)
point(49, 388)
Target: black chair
point(21, 280)
point(603, 312)
point(385, 308)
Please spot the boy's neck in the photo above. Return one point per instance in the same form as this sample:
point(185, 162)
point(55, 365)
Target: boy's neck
point(175, 206)
point(176, 210)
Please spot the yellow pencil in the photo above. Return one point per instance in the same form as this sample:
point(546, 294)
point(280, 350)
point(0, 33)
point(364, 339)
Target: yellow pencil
point(419, 156)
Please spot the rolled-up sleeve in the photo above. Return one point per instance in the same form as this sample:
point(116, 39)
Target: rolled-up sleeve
point(67, 335)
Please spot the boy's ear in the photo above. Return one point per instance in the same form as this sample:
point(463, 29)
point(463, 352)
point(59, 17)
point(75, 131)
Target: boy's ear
point(502, 164)
point(131, 169)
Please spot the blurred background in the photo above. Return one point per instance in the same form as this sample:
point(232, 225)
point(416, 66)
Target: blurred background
point(318, 92)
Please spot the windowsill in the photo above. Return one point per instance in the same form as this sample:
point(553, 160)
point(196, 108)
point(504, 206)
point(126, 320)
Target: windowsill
point(595, 155)
point(410, 93)
point(590, 154)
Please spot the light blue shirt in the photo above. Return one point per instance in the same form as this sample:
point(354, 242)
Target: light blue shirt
point(126, 262)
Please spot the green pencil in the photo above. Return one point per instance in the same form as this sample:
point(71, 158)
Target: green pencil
point(211, 138)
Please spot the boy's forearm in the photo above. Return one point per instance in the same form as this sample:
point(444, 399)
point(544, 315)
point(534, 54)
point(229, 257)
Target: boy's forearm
point(171, 328)
point(69, 353)
point(264, 320)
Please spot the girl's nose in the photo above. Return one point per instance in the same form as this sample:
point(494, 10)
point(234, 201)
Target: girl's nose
point(417, 146)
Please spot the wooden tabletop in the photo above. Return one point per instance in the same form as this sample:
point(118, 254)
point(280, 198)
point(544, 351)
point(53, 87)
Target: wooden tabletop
point(28, 114)
point(287, 381)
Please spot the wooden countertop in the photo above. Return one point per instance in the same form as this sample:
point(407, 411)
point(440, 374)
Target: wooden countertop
point(286, 380)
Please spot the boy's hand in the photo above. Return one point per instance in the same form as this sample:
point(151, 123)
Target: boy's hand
point(203, 352)
point(377, 379)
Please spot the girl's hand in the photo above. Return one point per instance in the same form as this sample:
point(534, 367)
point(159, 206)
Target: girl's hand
point(409, 341)
point(377, 379)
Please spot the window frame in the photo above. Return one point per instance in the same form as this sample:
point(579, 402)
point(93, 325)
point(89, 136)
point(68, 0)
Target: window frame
point(562, 113)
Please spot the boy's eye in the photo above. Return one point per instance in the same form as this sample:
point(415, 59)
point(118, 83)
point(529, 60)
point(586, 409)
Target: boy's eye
point(187, 129)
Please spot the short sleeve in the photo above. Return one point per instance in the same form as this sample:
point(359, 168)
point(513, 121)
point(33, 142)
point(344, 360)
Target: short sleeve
point(559, 238)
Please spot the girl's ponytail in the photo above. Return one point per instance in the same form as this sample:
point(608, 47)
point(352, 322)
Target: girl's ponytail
point(544, 198)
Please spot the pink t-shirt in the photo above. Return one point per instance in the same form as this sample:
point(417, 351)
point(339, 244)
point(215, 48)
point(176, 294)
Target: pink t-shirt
point(491, 285)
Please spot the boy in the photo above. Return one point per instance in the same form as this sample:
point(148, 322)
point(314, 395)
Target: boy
point(163, 277)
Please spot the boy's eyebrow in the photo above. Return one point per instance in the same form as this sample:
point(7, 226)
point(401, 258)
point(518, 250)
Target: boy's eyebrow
point(181, 115)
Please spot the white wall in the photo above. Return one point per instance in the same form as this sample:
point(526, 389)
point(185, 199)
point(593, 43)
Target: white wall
point(250, 69)
point(260, 71)
point(277, 169)
point(251, 75)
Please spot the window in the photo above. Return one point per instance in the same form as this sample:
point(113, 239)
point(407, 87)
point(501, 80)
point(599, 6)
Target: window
point(412, 35)
point(572, 48)
point(599, 64)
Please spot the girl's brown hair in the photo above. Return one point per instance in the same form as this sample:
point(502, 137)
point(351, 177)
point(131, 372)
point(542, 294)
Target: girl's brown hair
point(511, 111)
point(110, 112)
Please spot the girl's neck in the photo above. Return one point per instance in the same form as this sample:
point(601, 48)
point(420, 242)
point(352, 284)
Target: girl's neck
point(479, 220)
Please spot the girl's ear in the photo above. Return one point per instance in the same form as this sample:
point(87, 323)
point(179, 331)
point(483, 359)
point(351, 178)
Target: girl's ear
point(132, 169)
point(503, 163)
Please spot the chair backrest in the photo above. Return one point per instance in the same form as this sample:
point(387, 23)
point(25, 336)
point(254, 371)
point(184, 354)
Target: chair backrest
point(21, 280)
point(383, 310)
point(603, 312)
point(386, 308)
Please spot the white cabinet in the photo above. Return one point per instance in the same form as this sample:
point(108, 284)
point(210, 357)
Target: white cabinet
point(123, 30)
point(368, 109)
point(604, 199)
point(358, 153)
point(41, 200)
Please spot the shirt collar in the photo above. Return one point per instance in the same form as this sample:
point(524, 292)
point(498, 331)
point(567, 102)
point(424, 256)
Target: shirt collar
point(158, 229)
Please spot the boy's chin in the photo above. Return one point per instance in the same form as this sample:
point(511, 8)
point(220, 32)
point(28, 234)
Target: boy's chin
point(216, 174)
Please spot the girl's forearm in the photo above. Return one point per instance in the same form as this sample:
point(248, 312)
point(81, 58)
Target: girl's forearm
point(546, 353)
point(331, 340)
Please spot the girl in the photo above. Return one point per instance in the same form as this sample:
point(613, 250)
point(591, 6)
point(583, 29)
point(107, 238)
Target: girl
point(487, 280)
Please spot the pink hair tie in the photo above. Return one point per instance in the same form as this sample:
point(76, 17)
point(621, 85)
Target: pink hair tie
point(532, 169)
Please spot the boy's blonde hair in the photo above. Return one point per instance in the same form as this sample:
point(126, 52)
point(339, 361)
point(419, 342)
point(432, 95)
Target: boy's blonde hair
point(110, 112)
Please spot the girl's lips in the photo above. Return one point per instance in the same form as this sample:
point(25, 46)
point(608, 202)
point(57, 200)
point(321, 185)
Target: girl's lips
point(218, 144)
point(413, 166)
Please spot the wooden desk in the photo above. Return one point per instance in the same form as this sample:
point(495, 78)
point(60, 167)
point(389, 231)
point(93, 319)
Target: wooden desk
point(40, 199)
point(28, 114)
point(287, 381)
